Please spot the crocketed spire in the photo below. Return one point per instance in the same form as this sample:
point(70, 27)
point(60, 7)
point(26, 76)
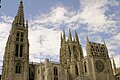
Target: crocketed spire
point(19, 18)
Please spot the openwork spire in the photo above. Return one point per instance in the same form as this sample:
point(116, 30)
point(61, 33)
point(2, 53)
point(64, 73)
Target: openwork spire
point(19, 18)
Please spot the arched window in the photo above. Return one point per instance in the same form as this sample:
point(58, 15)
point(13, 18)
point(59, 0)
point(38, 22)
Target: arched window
point(76, 70)
point(18, 68)
point(55, 71)
point(85, 67)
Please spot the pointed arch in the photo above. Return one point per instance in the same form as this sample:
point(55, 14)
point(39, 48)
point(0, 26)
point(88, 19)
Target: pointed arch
point(18, 68)
point(55, 71)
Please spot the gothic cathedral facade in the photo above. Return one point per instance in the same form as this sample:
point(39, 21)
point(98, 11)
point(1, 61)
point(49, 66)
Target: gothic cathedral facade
point(72, 66)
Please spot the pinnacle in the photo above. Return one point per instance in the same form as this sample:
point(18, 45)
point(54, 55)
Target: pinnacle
point(76, 36)
point(70, 35)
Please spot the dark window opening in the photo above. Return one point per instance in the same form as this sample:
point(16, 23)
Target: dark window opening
point(22, 34)
point(55, 71)
point(76, 70)
point(85, 67)
point(21, 50)
point(18, 34)
point(32, 74)
point(18, 68)
point(55, 78)
point(17, 39)
point(21, 39)
point(16, 50)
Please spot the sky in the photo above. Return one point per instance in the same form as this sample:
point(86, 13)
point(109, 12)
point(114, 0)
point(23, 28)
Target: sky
point(99, 19)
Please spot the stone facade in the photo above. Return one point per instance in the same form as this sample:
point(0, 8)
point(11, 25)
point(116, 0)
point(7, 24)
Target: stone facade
point(96, 65)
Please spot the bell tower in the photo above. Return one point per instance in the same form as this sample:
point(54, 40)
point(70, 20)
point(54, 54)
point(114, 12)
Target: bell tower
point(71, 55)
point(16, 56)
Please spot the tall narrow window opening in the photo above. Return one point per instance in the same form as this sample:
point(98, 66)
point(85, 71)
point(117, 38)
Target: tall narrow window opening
point(55, 71)
point(85, 67)
point(18, 68)
point(21, 50)
point(16, 50)
point(76, 68)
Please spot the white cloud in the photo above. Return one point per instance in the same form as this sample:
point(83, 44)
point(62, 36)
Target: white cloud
point(4, 31)
point(44, 40)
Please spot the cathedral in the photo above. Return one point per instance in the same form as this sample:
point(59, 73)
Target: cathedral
point(96, 65)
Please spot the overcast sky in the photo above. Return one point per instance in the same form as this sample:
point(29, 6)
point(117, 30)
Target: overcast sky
point(100, 19)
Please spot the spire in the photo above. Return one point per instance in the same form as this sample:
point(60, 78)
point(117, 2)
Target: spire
point(76, 36)
point(64, 37)
point(19, 18)
point(26, 23)
point(70, 35)
point(87, 39)
point(104, 42)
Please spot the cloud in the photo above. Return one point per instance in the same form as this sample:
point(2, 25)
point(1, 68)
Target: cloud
point(4, 32)
point(44, 40)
